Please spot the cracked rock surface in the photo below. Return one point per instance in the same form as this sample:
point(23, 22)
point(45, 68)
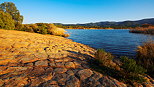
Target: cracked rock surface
point(35, 60)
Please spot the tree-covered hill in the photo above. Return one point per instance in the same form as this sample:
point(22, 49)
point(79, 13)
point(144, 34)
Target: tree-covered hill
point(107, 24)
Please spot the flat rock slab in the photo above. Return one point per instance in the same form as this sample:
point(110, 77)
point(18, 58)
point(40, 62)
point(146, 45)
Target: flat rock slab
point(32, 60)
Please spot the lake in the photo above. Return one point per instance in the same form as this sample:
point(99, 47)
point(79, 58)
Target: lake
point(118, 42)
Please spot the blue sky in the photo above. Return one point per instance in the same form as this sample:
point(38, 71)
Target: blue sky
point(83, 11)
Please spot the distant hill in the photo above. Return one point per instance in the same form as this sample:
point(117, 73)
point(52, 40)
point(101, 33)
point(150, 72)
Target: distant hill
point(113, 24)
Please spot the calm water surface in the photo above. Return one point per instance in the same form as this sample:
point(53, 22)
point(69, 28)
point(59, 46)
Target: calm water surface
point(118, 42)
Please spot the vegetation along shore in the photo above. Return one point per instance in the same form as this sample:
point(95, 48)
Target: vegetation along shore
point(144, 29)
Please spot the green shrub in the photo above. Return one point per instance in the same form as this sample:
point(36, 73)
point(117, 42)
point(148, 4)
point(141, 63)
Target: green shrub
point(131, 70)
point(127, 71)
point(130, 66)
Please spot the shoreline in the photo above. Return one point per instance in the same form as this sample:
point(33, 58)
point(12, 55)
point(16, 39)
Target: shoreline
point(46, 59)
point(99, 29)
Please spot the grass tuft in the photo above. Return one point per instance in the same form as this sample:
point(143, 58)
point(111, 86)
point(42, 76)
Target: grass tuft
point(145, 56)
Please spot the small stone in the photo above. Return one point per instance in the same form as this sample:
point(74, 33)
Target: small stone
point(69, 65)
point(53, 83)
point(67, 59)
point(72, 82)
point(59, 60)
point(85, 73)
point(62, 81)
point(77, 64)
point(90, 83)
point(41, 63)
point(29, 64)
point(60, 64)
point(47, 77)
point(105, 81)
point(54, 86)
point(20, 44)
point(22, 82)
point(85, 65)
point(60, 70)
point(97, 76)
point(52, 64)
point(1, 82)
point(27, 59)
point(70, 72)
point(36, 82)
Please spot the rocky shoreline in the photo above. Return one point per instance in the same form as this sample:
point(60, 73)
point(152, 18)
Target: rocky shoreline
point(35, 60)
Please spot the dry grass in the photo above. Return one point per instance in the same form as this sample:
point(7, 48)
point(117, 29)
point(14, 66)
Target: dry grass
point(145, 55)
point(58, 32)
point(105, 59)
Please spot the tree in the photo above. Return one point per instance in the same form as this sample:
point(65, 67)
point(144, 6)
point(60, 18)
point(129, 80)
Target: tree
point(6, 21)
point(10, 8)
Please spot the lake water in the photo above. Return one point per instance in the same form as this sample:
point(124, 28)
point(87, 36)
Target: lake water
point(118, 42)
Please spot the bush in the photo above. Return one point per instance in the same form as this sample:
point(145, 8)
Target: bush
point(145, 56)
point(57, 31)
point(45, 28)
point(104, 58)
point(132, 71)
point(130, 66)
point(144, 31)
point(127, 71)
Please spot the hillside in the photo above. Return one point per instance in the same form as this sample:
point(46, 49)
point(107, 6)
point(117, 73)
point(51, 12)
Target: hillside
point(30, 59)
point(113, 24)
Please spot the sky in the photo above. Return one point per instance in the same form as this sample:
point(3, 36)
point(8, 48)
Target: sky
point(83, 11)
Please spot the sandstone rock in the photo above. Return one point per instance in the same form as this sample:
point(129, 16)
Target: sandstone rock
point(22, 82)
point(53, 83)
point(36, 81)
point(84, 74)
point(52, 64)
point(72, 82)
point(59, 60)
point(1, 82)
point(70, 72)
point(54, 86)
point(6, 71)
point(42, 63)
point(60, 64)
point(28, 59)
point(97, 76)
point(67, 59)
point(20, 44)
point(90, 83)
point(36, 72)
point(77, 63)
point(105, 81)
point(69, 65)
point(6, 61)
point(29, 64)
point(60, 70)
point(62, 81)
point(47, 77)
